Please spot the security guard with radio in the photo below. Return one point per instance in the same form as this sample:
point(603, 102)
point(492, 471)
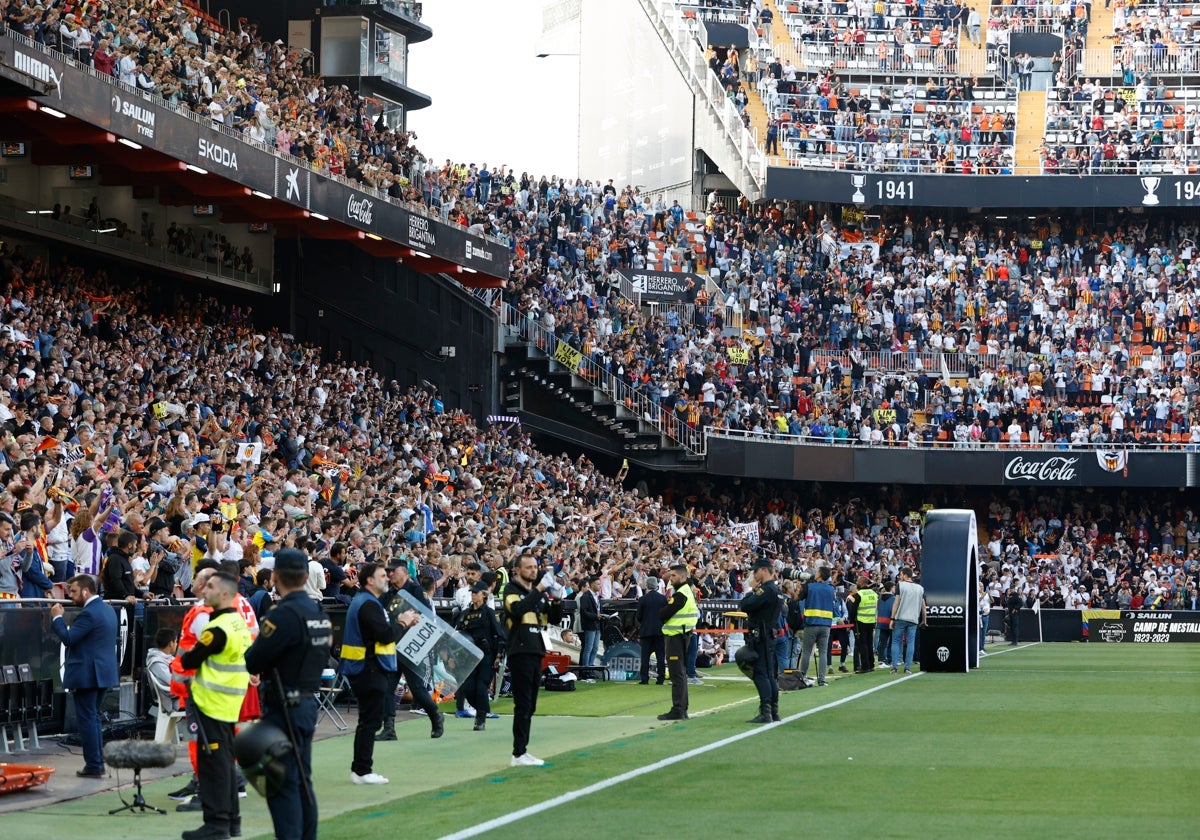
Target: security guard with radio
point(679, 618)
point(290, 653)
point(218, 690)
point(761, 606)
point(867, 603)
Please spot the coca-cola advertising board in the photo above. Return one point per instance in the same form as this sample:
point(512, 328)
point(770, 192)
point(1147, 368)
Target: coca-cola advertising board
point(793, 459)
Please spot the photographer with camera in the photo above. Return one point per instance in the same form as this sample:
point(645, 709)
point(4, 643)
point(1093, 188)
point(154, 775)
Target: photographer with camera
point(163, 563)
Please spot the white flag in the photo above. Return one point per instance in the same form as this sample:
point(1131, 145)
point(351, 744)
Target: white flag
point(251, 452)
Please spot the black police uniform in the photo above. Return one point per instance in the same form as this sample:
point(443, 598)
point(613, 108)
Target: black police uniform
point(394, 605)
point(484, 629)
point(291, 651)
point(762, 618)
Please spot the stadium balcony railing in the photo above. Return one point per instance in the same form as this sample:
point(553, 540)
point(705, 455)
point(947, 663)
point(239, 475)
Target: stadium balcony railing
point(714, 14)
point(1074, 124)
point(270, 148)
point(1175, 441)
point(1142, 57)
point(1026, 17)
point(832, 144)
point(635, 400)
point(885, 57)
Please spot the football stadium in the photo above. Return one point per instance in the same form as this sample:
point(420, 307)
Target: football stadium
point(815, 450)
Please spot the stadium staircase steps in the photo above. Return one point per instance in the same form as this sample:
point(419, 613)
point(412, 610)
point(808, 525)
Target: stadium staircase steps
point(737, 163)
point(964, 43)
point(781, 40)
point(1100, 26)
point(572, 408)
point(784, 47)
point(757, 111)
point(1031, 129)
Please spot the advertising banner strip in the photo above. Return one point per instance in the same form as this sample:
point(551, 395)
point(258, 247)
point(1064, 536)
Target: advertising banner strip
point(905, 189)
point(128, 113)
point(785, 458)
point(663, 285)
point(1146, 627)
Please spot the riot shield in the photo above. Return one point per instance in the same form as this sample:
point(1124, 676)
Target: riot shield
point(438, 653)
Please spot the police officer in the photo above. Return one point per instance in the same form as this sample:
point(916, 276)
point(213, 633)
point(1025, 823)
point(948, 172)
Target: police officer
point(291, 651)
point(368, 657)
point(866, 603)
point(218, 690)
point(761, 606)
point(479, 622)
point(399, 579)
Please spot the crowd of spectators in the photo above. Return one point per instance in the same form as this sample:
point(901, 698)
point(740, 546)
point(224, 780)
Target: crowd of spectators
point(1163, 42)
point(126, 434)
point(1078, 333)
point(160, 407)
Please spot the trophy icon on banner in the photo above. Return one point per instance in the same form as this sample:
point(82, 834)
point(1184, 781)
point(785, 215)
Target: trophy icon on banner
point(859, 181)
point(1151, 186)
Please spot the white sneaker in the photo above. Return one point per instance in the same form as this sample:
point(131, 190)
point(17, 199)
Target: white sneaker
point(526, 760)
point(469, 709)
point(369, 779)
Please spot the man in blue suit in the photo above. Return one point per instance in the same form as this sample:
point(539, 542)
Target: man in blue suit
point(91, 666)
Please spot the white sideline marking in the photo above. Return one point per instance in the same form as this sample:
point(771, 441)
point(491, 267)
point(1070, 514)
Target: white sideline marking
point(1008, 649)
point(621, 778)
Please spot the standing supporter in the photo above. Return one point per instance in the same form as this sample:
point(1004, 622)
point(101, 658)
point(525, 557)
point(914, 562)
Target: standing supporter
point(907, 613)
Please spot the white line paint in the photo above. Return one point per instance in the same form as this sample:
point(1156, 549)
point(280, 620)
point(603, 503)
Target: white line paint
point(1008, 649)
point(612, 781)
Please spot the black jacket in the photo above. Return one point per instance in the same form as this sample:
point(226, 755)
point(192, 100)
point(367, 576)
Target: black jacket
point(648, 609)
point(484, 629)
point(117, 576)
point(761, 606)
point(526, 613)
point(589, 610)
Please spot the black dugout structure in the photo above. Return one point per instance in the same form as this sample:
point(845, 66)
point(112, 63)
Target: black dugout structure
point(949, 571)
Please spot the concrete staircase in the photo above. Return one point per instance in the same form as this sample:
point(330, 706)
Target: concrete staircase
point(964, 43)
point(1031, 129)
point(1098, 56)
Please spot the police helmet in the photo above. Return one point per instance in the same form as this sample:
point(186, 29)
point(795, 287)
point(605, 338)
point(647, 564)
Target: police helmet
point(745, 658)
point(260, 748)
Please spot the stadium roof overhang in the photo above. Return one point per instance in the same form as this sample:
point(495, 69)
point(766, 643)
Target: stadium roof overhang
point(69, 141)
point(75, 117)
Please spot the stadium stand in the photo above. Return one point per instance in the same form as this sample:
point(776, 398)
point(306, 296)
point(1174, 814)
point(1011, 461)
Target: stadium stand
point(969, 334)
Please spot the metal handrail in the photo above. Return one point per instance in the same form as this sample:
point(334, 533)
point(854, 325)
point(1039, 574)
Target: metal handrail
point(689, 58)
point(632, 397)
point(895, 59)
point(784, 439)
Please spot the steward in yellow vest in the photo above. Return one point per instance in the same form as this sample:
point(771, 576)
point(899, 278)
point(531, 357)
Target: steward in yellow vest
point(219, 660)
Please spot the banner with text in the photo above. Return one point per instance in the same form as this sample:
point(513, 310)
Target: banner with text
point(1147, 627)
point(663, 285)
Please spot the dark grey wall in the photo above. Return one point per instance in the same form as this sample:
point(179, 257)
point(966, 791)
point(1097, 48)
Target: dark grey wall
point(375, 310)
